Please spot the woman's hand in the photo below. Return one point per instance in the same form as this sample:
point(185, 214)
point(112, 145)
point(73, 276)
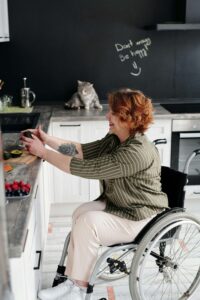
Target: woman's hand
point(38, 132)
point(34, 145)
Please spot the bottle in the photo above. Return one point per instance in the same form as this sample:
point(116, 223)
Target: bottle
point(26, 95)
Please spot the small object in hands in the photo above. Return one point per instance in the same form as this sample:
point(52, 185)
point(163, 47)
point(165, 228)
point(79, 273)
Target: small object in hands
point(17, 189)
point(7, 168)
point(6, 155)
point(16, 153)
point(28, 134)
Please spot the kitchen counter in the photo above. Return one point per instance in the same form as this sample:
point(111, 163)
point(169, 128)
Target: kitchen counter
point(18, 211)
point(59, 114)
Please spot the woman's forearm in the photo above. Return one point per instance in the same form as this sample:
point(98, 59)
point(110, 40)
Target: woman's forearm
point(59, 160)
point(65, 147)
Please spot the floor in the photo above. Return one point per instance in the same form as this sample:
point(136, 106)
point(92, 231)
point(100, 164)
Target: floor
point(59, 226)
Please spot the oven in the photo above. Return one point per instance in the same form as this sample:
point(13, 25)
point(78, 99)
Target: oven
point(186, 139)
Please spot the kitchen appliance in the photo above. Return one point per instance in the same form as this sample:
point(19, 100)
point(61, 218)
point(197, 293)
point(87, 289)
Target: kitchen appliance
point(186, 139)
point(5, 290)
point(26, 95)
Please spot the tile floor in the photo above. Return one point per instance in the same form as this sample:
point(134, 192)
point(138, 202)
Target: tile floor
point(59, 226)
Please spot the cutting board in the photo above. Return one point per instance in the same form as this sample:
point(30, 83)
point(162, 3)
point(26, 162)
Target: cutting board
point(16, 109)
point(25, 158)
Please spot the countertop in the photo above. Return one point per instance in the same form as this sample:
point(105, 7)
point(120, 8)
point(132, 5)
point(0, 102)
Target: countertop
point(59, 114)
point(18, 211)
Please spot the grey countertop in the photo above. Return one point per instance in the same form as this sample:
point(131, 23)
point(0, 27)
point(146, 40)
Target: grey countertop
point(18, 211)
point(59, 114)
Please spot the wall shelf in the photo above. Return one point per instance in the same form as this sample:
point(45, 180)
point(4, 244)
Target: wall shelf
point(178, 26)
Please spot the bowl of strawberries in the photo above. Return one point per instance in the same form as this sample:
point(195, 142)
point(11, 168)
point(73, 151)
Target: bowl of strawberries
point(17, 189)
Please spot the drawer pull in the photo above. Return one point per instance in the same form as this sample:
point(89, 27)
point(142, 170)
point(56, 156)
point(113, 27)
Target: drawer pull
point(68, 125)
point(160, 141)
point(39, 260)
point(35, 196)
point(27, 231)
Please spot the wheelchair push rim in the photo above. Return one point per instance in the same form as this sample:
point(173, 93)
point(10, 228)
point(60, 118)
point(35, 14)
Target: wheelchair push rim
point(172, 271)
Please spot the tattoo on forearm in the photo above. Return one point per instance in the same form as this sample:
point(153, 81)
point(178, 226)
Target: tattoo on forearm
point(68, 149)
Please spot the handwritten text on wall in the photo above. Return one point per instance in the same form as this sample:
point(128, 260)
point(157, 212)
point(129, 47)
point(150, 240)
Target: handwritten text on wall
point(133, 52)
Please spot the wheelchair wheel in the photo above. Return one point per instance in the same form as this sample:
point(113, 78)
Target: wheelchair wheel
point(166, 264)
point(121, 256)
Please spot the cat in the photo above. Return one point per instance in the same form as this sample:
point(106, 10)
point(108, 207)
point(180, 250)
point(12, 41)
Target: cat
point(85, 97)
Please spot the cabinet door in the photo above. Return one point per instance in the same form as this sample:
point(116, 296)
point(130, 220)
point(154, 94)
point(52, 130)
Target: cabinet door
point(46, 188)
point(69, 188)
point(161, 129)
point(94, 130)
point(34, 246)
point(4, 28)
point(18, 278)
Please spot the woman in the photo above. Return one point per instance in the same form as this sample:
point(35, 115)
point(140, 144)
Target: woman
point(128, 167)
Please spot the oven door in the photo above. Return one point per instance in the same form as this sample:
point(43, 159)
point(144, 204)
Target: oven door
point(183, 144)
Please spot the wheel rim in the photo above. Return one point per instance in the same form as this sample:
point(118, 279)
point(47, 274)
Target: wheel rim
point(176, 276)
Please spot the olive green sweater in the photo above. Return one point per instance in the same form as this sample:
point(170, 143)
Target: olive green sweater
point(129, 173)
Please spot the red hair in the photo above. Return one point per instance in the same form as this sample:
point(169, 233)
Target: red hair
point(132, 107)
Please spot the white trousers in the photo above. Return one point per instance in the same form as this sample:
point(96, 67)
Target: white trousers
point(91, 228)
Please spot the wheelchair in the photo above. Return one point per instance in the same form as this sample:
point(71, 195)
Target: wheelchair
point(163, 261)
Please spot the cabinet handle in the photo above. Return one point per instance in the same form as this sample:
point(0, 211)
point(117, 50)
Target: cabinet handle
point(39, 260)
point(160, 141)
point(68, 125)
point(36, 192)
point(27, 231)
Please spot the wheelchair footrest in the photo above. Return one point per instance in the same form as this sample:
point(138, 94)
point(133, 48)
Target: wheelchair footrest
point(59, 278)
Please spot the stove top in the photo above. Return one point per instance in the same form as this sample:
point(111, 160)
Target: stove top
point(182, 107)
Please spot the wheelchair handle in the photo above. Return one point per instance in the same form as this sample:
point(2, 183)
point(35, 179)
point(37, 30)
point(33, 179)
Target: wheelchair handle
point(190, 158)
point(160, 141)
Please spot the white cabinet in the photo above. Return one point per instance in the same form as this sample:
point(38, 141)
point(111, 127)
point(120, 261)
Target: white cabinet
point(4, 26)
point(46, 191)
point(26, 270)
point(91, 131)
point(68, 188)
point(161, 129)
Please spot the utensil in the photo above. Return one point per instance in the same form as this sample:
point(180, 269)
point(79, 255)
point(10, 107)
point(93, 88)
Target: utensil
point(26, 95)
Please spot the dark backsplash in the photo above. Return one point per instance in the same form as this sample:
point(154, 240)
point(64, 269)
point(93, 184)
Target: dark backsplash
point(56, 43)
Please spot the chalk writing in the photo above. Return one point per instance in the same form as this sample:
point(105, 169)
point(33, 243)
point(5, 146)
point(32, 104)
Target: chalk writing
point(133, 50)
point(120, 47)
point(137, 70)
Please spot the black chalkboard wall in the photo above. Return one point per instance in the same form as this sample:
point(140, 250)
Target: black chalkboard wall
point(54, 43)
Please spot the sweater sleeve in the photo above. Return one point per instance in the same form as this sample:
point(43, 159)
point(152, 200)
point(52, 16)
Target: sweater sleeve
point(90, 150)
point(93, 149)
point(125, 161)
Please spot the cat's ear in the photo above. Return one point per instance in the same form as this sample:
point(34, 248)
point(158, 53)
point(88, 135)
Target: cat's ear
point(91, 84)
point(79, 82)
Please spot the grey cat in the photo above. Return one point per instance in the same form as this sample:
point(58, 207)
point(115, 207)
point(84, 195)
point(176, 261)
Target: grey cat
point(85, 97)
